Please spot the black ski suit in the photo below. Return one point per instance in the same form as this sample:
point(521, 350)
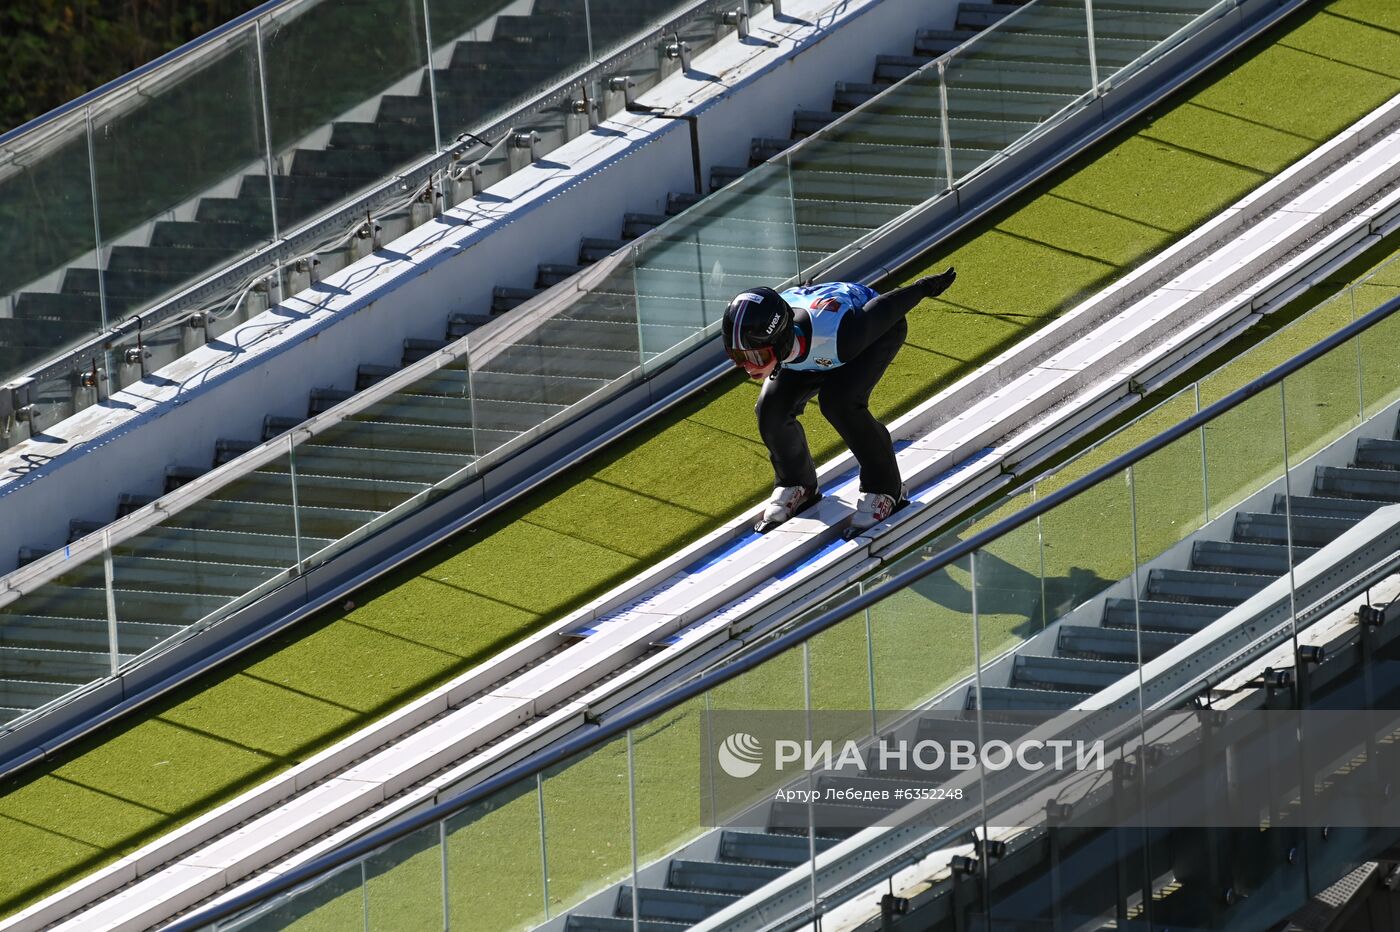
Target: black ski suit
point(868, 338)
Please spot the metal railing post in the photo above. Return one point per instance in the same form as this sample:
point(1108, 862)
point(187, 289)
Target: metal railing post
point(544, 848)
point(442, 856)
point(96, 216)
point(296, 506)
point(1093, 46)
point(943, 120)
point(114, 654)
point(432, 78)
point(588, 27)
point(267, 130)
point(1205, 461)
point(632, 812)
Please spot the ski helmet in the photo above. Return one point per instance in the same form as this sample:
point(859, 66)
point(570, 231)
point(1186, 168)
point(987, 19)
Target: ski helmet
point(758, 328)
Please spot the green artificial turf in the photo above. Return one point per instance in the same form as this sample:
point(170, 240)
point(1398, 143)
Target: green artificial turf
point(660, 488)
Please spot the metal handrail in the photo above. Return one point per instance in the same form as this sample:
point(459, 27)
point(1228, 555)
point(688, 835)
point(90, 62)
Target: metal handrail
point(616, 726)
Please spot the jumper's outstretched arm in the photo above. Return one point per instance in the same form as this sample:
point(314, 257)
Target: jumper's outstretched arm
point(860, 330)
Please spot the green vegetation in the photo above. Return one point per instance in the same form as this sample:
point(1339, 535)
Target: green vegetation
point(52, 51)
point(659, 489)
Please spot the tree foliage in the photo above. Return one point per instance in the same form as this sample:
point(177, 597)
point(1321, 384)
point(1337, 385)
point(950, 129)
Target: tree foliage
point(54, 50)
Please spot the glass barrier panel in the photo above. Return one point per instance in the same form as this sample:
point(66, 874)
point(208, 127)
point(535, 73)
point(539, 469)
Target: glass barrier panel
point(1323, 402)
point(614, 25)
point(56, 639)
point(1013, 76)
point(689, 270)
point(1011, 587)
point(335, 901)
point(494, 853)
point(1169, 495)
point(1380, 364)
point(210, 557)
point(491, 57)
point(1147, 425)
point(1087, 545)
point(1125, 40)
point(1244, 455)
point(403, 883)
point(774, 685)
point(872, 166)
point(182, 188)
point(838, 669)
point(520, 380)
point(46, 234)
point(587, 824)
point(668, 780)
point(1376, 287)
point(1317, 324)
point(347, 97)
point(921, 639)
point(56, 398)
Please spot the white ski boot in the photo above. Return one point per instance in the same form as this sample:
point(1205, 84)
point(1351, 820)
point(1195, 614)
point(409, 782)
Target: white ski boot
point(872, 509)
point(786, 502)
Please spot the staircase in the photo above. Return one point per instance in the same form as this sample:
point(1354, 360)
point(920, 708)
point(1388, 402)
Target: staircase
point(1175, 603)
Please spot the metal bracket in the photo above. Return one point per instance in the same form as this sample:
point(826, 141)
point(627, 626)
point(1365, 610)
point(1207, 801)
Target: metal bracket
point(673, 48)
point(621, 84)
point(522, 149)
point(17, 396)
point(738, 19)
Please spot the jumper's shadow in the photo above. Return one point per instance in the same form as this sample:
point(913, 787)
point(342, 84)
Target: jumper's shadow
point(1003, 588)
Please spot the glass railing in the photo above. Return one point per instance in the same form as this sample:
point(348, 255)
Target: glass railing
point(206, 183)
point(1082, 549)
point(171, 569)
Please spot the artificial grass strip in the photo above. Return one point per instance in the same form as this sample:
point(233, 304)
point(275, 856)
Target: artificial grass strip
point(1298, 92)
point(232, 711)
point(1383, 14)
point(677, 477)
point(1352, 43)
point(1158, 185)
point(1084, 231)
point(79, 813)
point(1228, 138)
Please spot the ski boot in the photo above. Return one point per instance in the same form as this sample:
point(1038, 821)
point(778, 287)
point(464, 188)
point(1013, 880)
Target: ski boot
point(872, 509)
point(787, 502)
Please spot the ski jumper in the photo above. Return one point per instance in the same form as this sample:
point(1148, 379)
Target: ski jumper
point(846, 337)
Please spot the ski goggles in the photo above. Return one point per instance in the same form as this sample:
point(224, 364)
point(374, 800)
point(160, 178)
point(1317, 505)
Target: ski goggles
point(754, 358)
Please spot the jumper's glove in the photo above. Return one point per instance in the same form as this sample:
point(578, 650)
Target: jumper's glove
point(935, 285)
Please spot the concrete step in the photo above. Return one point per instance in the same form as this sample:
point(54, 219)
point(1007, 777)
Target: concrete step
point(1306, 530)
point(1374, 453)
point(1350, 509)
point(1270, 560)
point(1013, 699)
point(1073, 673)
point(671, 905)
point(754, 847)
point(1114, 643)
point(719, 876)
point(1349, 482)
